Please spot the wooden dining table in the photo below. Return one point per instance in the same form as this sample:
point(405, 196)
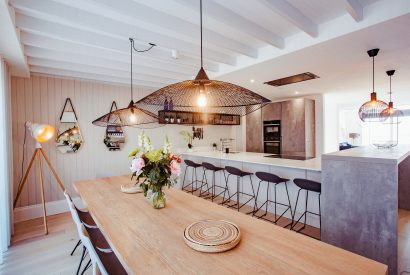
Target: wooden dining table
point(150, 241)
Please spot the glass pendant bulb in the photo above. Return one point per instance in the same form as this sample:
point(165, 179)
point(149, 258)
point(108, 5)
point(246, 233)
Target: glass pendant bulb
point(370, 111)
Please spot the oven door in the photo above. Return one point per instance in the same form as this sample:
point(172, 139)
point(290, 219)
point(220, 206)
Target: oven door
point(272, 147)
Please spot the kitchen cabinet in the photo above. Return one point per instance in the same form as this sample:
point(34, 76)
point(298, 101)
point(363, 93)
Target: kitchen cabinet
point(254, 132)
point(297, 118)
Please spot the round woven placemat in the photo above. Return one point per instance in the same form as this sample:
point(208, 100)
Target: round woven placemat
point(212, 236)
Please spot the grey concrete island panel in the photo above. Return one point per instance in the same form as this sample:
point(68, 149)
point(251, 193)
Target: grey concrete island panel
point(360, 201)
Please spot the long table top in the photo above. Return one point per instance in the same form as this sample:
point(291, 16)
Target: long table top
point(150, 241)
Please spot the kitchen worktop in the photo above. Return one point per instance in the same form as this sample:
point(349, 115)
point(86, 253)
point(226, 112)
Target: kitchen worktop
point(259, 158)
point(372, 154)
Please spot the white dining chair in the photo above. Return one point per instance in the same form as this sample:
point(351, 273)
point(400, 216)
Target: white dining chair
point(97, 266)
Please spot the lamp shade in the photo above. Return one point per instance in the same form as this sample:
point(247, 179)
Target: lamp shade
point(370, 110)
point(41, 132)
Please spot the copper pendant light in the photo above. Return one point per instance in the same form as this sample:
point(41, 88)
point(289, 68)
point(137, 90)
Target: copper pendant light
point(131, 115)
point(391, 115)
point(370, 111)
point(204, 95)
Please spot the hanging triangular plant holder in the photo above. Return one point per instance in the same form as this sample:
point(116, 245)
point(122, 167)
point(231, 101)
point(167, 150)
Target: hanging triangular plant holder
point(114, 134)
point(69, 138)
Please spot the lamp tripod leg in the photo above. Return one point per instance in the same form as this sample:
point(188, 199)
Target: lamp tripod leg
point(25, 178)
point(43, 201)
point(52, 169)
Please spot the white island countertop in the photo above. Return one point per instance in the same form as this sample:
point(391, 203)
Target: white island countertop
point(372, 154)
point(259, 158)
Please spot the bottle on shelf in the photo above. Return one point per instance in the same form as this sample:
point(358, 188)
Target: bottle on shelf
point(171, 105)
point(166, 104)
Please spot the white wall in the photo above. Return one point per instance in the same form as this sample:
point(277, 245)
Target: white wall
point(5, 159)
point(40, 99)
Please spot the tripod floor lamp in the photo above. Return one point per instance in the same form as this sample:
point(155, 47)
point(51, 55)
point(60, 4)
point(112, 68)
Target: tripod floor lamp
point(41, 133)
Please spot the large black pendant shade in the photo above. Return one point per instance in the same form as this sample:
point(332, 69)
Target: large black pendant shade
point(131, 115)
point(370, 111)
point(204, 95)
point(390, 114)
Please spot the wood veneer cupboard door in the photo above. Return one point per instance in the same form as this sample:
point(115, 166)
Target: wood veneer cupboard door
point(298, 127)
point(254, 132)
point(272, 111)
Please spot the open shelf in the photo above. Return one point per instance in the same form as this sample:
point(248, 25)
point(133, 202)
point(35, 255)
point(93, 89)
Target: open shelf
point(196, 118)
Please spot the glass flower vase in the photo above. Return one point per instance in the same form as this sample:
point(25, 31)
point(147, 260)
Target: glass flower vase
point(158, 200)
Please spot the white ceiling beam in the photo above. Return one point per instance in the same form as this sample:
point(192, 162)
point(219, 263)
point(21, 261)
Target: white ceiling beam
point(69, 17)
point(354, 8)
point(293, 15)
point(10, 47)
point(171, 65)
point(142, 16)
point(234, 20)
point(81, 59)
point(70, 66)
point(91, 76)
point(50, 29)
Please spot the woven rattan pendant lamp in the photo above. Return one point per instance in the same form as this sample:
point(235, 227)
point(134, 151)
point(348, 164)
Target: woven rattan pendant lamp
point(391, 114)
point(131, 115)
point(204, 95)
point(370, 111)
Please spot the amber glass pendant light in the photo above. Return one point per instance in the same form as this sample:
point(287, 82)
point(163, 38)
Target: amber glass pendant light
point(204, 95)
point(371, 110)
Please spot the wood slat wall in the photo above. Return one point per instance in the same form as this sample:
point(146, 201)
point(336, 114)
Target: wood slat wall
point(40, 99)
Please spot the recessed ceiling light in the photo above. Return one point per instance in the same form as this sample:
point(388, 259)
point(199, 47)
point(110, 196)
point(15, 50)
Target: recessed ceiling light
point(296, 92)
point(252, 80)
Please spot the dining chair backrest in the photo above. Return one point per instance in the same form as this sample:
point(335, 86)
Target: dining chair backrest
point(98, 267)
point(74, 213)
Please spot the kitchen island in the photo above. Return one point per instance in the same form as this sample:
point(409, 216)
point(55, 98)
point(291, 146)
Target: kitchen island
point(362, 189)
point(254, 162)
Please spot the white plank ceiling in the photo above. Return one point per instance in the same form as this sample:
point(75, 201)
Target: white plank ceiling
point(89, 39)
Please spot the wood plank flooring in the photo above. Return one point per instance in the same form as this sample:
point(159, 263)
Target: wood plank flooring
point(33, 253)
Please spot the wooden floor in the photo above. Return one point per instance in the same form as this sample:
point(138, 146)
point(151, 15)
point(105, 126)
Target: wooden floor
point(33, 253)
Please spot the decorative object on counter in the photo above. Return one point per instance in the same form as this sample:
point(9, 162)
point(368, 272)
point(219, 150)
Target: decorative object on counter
point(41, 134)
point(131, 188)
point(391, 117)
point(226, 143)
point(197, 133)
point(69, 138)
point(157, 167)
point(370, 110)
point(205, 95)
point(188, 138)
point(212, 236)
point(131, 115)
point(353, 136)
point(214, 146)
point(195, 118)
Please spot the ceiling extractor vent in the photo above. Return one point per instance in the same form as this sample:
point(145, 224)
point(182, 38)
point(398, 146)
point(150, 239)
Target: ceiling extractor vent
point(292, 79)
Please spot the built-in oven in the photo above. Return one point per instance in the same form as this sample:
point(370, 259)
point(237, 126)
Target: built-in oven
point(272, 147)
point(272, 136)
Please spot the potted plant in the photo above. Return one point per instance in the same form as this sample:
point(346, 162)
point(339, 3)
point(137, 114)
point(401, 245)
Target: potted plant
point(188, 138)
point(157, 167)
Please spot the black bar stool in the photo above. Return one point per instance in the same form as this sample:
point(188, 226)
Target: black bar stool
point(194, 166)
point(239, 175)
point(209, 193)
point(309, 186)
point(275, 180)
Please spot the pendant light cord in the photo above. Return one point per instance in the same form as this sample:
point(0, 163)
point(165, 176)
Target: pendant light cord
point(200, 11)
point(390, 88)
point(373, 73)
point(138, 51)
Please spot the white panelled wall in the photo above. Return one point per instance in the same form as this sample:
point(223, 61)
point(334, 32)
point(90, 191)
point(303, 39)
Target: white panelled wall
point(41, 99)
